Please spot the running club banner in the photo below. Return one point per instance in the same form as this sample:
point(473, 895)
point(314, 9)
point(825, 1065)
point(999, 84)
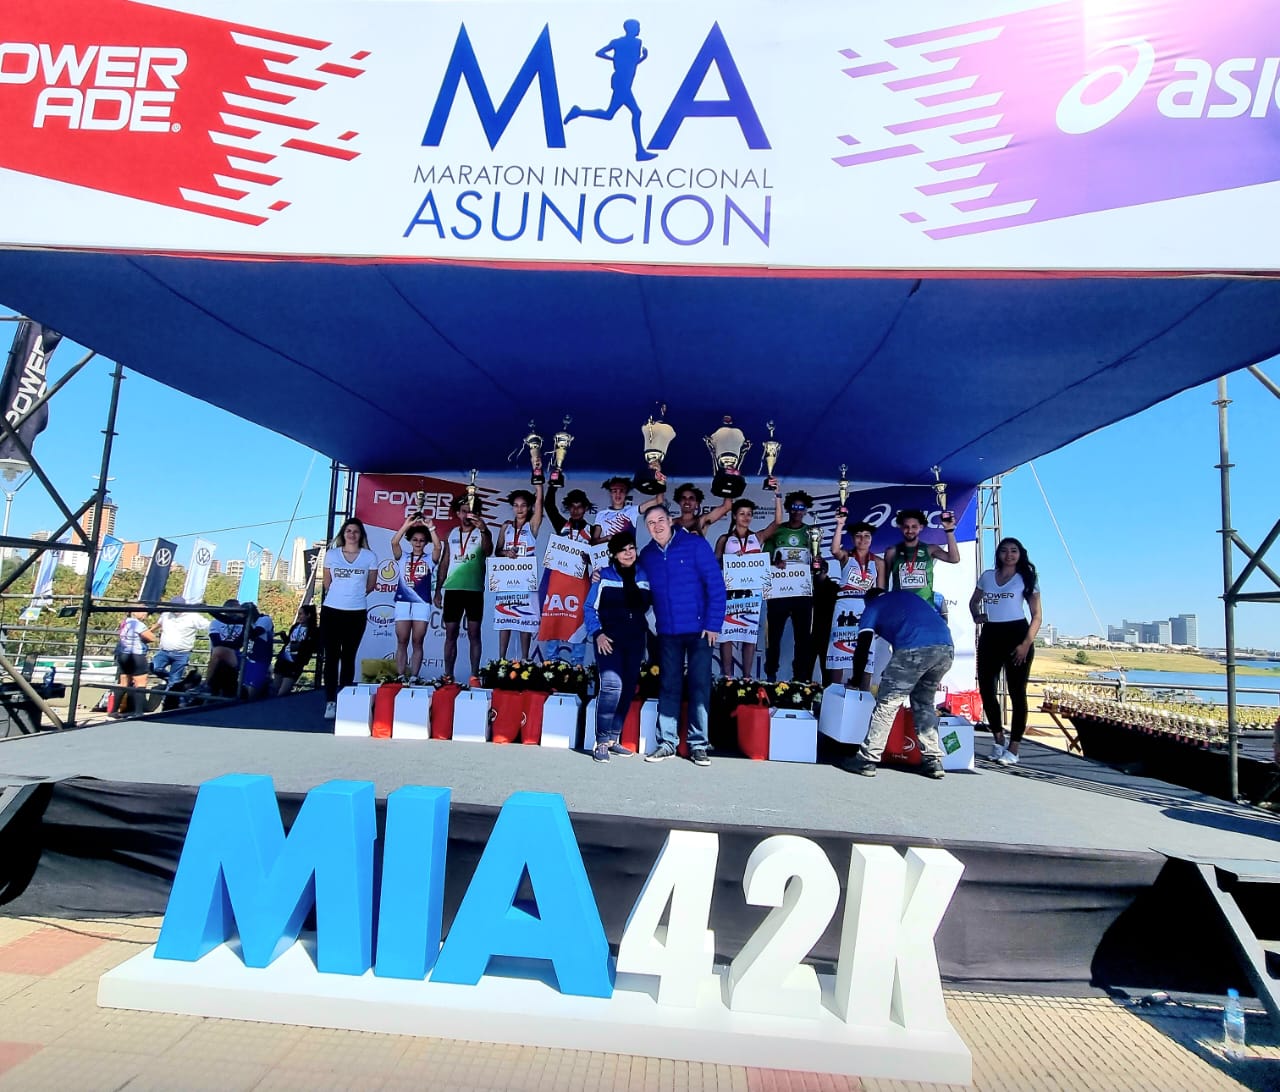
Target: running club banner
point(384, 500)
point(1007, 134)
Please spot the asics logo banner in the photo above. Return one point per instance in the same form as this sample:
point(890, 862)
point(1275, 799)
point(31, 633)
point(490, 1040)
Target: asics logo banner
point(1193, 88)
point(97, 87)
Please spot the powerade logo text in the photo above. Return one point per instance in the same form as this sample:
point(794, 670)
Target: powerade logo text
point(539, 197)
point(99, 87)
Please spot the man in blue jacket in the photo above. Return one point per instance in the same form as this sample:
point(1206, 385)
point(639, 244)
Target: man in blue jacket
point(688, 602)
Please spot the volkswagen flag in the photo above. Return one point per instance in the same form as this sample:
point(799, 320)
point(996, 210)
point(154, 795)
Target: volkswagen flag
point(23, 385)
point(198, 571)
point(158, 571)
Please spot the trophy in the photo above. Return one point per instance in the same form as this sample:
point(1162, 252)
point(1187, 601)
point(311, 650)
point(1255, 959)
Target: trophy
point(843, 485)
point(657, 438)
point(534, 443)
point(727, 445)
point(815, 544)
point(560, 444)
point(420, 504)
point(771, 449)
point(473, 500)
point(939, 488)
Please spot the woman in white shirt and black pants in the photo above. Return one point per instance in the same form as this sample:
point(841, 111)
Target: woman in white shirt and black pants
point(1000, 604)
point(350, 573)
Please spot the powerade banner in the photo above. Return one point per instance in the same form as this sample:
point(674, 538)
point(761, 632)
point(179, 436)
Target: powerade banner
point(157, 577)
point(108, 559)
point(1135, 134)
point(25, 380)
point(384, 500)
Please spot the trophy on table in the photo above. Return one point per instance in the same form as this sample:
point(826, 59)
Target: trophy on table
point(727, 445)
point(559, 446)
point(473, 499)
point(843, 485)
point(534, 443)
point(657, 438)
point(771, 449)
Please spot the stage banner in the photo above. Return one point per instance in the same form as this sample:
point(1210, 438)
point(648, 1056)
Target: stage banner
point(993, 134)
point(511, 574)
point(515, 610)
point(251, 578)
point(745, 572)
point(198, 571)
point(384, 500)
point(25, 381)
point(108, 558)
point(153, 584)
point(742, 612)
point(562, 618)
point(788, 580)
point(567, 557)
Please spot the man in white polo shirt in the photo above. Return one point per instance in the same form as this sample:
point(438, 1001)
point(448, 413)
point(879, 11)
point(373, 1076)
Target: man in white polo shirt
point(178, 633)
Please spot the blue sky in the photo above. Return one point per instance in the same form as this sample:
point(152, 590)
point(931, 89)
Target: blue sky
point(1137, 502)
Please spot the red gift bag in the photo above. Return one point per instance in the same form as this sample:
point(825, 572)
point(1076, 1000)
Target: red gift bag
point(534, 705)
point(384, 709)
point(902, 746)
point(631, 726)
point(442, 710)
point(753, 731)
point(506, 715)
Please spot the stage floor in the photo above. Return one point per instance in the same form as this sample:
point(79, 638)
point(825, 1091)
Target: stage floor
point(1052, 800)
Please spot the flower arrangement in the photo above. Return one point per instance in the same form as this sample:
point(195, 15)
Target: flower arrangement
point(446, 680)
point(650, 681)
point(731, 693)
point(551, 676)
point(794, 695)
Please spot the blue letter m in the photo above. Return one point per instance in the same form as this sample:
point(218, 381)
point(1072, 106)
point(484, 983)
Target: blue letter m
point(464, 66)
point(238, 873)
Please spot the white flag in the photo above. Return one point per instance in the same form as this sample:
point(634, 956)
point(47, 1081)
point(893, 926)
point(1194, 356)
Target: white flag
point(198, 571)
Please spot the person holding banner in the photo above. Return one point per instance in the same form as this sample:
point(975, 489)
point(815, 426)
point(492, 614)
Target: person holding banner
point(616, 618)
point(413, 590)
point(518, 538)
point(790, 592)
point(350, 573)
point(743, 596)
point(565, 580)
point(860, 571)
point(460, 589)
point(1000, 604)
point(688, 604)
point(908, 566)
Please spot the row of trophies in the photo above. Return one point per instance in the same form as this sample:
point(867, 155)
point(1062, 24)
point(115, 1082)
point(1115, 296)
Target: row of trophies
point(728, 446)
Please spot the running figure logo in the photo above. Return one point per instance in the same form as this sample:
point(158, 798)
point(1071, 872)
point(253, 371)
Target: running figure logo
point(626, 53)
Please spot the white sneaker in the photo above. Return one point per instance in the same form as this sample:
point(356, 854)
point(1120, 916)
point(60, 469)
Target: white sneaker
point(1008, 759)
point(331, 711)
point(998, 751)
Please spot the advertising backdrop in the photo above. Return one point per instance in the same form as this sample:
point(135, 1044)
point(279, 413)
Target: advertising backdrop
point(1135, 134)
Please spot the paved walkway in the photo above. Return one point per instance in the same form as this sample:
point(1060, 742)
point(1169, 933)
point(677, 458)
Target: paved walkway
point(54, 1036)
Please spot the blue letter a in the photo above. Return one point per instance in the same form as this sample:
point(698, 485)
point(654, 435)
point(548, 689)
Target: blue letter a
point(238, 867)
point(715, 50)
point(533, 833)
point(464, 66)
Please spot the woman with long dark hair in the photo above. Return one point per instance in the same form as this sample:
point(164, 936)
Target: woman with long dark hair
point(1000, 604)
point(299, 643)
point(350, 573)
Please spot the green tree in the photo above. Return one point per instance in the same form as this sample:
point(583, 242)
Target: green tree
point(1082, 657)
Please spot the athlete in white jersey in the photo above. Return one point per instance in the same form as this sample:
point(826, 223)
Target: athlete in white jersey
point(860, 571)
point(518, 537)
point(619, 516)
point(413, 589)
point(739, 540)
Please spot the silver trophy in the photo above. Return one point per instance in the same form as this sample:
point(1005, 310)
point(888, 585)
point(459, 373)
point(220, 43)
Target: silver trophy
point(657, 439)
point(771, 449)
point(843, 485)
point(727, 445)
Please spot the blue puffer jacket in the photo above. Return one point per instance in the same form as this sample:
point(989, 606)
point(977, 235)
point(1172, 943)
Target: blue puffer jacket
point(606, 608)
point(687, 585)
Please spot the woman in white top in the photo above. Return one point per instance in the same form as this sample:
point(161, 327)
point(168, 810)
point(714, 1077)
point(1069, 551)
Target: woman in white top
point(518, 537)
point(350, 573)
point(413, 589)
point(999, 604)
point(860, 571)
point(740, 539)
point(131, 662)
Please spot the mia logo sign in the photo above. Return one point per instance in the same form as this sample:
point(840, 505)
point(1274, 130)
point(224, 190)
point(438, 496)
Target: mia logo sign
point(533, 194)
point(232, 942)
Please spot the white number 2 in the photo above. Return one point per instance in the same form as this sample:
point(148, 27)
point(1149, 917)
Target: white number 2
point(681, 953)
point(794, 876)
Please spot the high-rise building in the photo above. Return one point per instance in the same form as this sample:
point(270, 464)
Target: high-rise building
point(128, 551)
point(1185, 630)
point(139, 563)
point(236, 568)
point(282, 571)
point(298, 563)
point(268, 560)
point(109, 511)
point(215, 567)
point(1050, 633)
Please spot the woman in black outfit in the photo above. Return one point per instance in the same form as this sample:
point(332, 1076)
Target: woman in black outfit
point(1000, 604)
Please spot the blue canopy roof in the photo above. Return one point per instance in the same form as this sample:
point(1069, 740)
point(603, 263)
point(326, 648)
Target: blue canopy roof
point(399, 366)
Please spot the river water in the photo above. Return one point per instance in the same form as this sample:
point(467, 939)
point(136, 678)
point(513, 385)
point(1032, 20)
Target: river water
point(1173, 680)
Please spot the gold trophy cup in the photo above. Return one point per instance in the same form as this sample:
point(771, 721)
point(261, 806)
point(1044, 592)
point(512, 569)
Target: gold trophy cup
point(657, 439)
point(534, 443)
point(843, 485)
point(473, 499)
point(559, 447)
point(771, 449)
